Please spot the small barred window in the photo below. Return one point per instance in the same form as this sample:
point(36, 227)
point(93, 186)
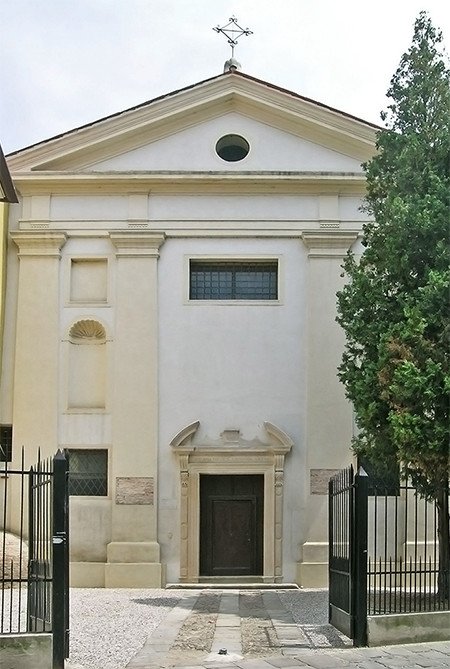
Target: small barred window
point(233, 280)
point(88, 472)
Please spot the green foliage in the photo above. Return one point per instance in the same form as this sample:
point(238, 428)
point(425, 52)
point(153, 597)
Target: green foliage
point(395, 307)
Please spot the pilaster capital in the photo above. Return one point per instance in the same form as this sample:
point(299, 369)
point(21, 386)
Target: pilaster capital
point(137, 244)
point(44, 243)
point(328, 244)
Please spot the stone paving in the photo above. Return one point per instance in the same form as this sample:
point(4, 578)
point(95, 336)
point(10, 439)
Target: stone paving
point(243, 629)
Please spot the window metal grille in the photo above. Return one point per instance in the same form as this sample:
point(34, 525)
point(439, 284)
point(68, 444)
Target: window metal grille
point(5, 443)
point(88, 472)
point(233, 280)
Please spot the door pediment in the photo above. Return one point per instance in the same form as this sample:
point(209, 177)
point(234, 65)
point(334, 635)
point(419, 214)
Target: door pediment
point(230, 444)
point(230, 454)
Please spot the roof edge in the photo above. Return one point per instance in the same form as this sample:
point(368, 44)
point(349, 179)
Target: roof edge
point(305, 99)
point(231, 73)
point(7, 190)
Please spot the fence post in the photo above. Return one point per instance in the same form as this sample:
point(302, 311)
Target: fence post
point(330, 544)
point(359, 590)
point(60, 561)
point(31, 590)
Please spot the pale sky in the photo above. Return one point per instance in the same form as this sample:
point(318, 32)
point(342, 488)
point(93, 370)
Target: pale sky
point(65, 63)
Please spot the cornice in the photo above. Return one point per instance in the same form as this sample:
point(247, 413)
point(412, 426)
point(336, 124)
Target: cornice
point(129, 121)
point(45, 243)
point(328, 244)
point(134, 244)
point(33, 183)
point(135, 127)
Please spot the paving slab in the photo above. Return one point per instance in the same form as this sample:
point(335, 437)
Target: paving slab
point(369, 664)
point(255, 664)
point(273, 640)
point(284, 662)
point(326, 661)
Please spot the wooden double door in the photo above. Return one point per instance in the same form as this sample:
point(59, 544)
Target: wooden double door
point(231, 524)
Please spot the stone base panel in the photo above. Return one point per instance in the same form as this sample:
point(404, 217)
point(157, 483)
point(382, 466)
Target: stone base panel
point(312, 570)
point(384, 630)
point(26, 651)
point(116, 575)
point(129, 565)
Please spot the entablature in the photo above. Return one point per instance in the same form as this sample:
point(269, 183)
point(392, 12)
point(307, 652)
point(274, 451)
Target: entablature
point(39, 183)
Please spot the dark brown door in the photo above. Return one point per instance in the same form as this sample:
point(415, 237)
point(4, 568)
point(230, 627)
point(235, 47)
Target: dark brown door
point(231, 525)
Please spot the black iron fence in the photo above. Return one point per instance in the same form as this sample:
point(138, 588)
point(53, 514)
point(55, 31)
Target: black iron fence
point(34, 557)
point(406, 569)
point(385, 552)
point(347, 547)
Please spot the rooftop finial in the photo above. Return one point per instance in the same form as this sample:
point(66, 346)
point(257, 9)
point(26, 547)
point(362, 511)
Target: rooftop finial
point(232, 31)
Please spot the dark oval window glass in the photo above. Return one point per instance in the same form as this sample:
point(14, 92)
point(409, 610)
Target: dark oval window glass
point(232, 148)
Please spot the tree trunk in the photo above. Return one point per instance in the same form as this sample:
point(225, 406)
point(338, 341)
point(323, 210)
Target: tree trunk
point(444, 545)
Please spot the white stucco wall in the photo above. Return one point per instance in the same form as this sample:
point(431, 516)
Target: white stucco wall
point(194, 149)
point(231, 366)
point(167, 362)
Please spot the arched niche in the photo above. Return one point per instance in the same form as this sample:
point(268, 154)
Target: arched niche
point(87, 365)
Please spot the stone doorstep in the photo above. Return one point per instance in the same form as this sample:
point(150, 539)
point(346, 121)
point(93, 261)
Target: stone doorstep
point(232, 586)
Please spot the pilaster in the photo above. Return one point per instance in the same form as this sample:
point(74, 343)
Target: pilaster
point(35, 399)
point(329, 423)
point(133, 554)
point(329, 415)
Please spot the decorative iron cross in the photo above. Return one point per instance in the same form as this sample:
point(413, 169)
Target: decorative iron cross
point(234, 33)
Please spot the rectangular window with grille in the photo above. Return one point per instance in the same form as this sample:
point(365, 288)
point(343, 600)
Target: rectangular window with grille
point(233, 280)
point(5, 443)
point(88, 472)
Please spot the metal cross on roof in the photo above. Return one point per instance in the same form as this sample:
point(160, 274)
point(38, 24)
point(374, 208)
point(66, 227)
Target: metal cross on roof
point(234, 33)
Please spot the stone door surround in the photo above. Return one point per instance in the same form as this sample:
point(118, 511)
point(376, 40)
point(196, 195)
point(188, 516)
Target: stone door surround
point(231, 454)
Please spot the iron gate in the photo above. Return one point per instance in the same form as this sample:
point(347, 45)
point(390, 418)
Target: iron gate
point(388, 550)
point(34, 592)
point(347, 560)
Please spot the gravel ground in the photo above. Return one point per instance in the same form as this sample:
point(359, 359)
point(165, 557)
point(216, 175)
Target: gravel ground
point(108, 627)
point(309, 609)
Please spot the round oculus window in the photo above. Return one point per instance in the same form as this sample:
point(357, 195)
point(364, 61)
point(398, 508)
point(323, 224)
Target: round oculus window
point(232, 148)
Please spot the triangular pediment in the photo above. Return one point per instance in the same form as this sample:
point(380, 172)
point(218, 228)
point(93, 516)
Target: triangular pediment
point(177, 131)
point(193, 149)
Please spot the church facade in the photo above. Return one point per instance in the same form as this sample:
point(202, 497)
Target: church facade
point(170, 321)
